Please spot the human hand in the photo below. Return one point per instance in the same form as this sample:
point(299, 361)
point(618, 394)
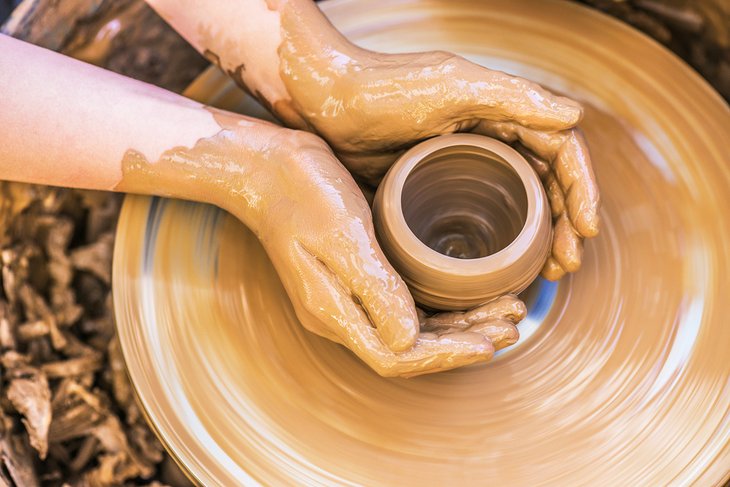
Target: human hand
point(562, 161)
point(317, 229)
point(370, 107)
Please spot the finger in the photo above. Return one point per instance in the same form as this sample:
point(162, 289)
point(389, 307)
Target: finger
point(570, 159)
point(567, 245)
point(431, 353)
point(541, 167)
point(555, 195)
point(327, 306)
point(575, 174)
point(445, 352)
point(552, 270)
point(391, 309)
point(501, 97)
point(568, 154)
point(552, 188)
point(508, 307)
point(321, 303)
point(502, 333)
point(544, 144)
point(441, 322)
point(375, 286)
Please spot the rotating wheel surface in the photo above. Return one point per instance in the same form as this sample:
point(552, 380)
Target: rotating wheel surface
point(622, 374)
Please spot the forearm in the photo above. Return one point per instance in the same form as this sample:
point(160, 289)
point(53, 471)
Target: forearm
point(266, 46)
point(67, 123)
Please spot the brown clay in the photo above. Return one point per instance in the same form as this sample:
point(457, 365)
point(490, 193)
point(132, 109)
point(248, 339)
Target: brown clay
point(370, 106)
point(463, 219)
point(316, 227)
point(624, 379)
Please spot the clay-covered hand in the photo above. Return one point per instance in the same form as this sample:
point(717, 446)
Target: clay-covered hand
point(562, 161)
point(317, 229)
point(370, 107)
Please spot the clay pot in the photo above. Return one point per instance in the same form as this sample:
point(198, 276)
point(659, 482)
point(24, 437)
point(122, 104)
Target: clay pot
point(463, 218)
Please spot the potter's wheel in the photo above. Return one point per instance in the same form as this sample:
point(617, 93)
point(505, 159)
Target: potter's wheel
point(622, 376)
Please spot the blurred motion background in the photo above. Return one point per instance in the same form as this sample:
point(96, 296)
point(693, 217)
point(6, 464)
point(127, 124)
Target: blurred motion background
point(60, 358)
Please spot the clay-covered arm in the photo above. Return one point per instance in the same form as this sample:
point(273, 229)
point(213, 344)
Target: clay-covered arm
point(66, 123)
point(372, 106)
point(294, 60)
point(244, 38)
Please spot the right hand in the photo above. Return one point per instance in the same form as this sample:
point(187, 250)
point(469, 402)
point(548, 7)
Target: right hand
point(441, 93)
point(317, 229)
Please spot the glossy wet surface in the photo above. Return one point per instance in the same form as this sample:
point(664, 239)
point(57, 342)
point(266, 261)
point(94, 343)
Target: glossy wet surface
point(621, 376)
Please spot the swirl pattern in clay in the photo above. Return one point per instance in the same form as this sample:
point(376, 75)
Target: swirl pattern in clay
point(621, 376)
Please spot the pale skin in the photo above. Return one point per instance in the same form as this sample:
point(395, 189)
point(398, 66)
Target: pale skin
point(74, 125)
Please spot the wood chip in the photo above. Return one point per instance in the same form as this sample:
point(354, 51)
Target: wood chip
point(73, 367)
point(56, 320)
point(31, 397)
point(96, 257)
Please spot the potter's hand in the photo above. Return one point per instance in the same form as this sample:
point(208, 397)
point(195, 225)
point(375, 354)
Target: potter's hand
point(370, 106)
point(562, 161)
point(317, 228)
point(379, 105)
point(286, 185)
point(455, 339)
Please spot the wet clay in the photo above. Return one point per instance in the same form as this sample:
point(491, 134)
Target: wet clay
point(239, 160)
point(316, 227)
point(621, 376)
point(371, 106)
point(463, 219)
point(347, 94)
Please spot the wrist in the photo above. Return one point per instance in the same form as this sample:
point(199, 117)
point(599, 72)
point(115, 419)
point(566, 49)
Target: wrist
point(263, 175)
point(313, 58)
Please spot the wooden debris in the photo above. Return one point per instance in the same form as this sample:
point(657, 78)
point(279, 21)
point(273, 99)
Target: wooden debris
point(30, 395)
point(96, 257)
point(68, 416)
point(67, 409)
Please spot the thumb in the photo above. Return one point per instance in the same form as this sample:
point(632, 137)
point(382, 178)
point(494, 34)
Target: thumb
point(389, 305)
point(375, 286)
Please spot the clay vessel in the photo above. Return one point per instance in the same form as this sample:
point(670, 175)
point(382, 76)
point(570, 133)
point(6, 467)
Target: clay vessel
point(464, 219)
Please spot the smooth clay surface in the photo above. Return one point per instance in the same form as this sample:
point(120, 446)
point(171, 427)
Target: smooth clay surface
point(621, 376)
point(464, 219)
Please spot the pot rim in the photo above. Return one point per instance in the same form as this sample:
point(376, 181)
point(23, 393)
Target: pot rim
point(410, 245)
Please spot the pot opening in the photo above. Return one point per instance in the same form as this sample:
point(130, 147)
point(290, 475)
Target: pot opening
point(464, 202)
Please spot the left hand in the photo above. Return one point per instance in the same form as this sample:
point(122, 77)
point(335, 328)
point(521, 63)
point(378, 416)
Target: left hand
point(305, 208)
point(371, 107)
